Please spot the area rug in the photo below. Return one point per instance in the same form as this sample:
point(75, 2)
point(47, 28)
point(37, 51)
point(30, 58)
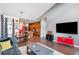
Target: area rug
point(55, 52)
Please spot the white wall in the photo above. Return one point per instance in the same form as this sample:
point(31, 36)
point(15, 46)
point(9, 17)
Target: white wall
point(43, 27)
point(66, 12)
point(62, 13)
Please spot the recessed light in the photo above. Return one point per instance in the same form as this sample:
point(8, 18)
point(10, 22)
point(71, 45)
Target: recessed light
point(21, 12)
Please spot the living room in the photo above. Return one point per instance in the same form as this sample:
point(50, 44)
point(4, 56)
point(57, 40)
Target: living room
point(50, 29)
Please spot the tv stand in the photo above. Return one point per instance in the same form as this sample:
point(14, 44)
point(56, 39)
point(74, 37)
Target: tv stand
point(66, 40)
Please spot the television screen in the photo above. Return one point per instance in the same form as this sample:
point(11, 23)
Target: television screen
point(69, 27)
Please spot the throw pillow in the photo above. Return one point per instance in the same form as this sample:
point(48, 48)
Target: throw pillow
point(5, 45)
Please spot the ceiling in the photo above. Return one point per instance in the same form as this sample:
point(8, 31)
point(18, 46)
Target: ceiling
point(25, 10)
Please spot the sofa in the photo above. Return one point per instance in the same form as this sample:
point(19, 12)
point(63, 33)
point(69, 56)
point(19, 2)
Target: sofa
point(14, 50)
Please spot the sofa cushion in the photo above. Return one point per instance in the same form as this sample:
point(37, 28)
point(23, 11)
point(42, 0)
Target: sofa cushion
point(12, 51)
point(14, 41)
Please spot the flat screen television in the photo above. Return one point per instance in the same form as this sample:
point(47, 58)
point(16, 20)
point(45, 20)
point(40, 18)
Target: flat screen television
point(69, 27)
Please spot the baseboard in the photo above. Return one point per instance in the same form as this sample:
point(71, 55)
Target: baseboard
point(61, 43)
point(76, 46)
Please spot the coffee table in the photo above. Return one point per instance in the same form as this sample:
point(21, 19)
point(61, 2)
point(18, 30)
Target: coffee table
point(37, 49)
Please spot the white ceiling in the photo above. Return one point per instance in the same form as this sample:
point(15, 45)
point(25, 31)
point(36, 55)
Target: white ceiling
point(30, 10)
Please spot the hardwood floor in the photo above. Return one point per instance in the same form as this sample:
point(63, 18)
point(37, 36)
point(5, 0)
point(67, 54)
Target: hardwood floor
point(65, 49)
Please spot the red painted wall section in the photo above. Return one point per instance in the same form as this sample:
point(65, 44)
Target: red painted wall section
point(23, 29)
